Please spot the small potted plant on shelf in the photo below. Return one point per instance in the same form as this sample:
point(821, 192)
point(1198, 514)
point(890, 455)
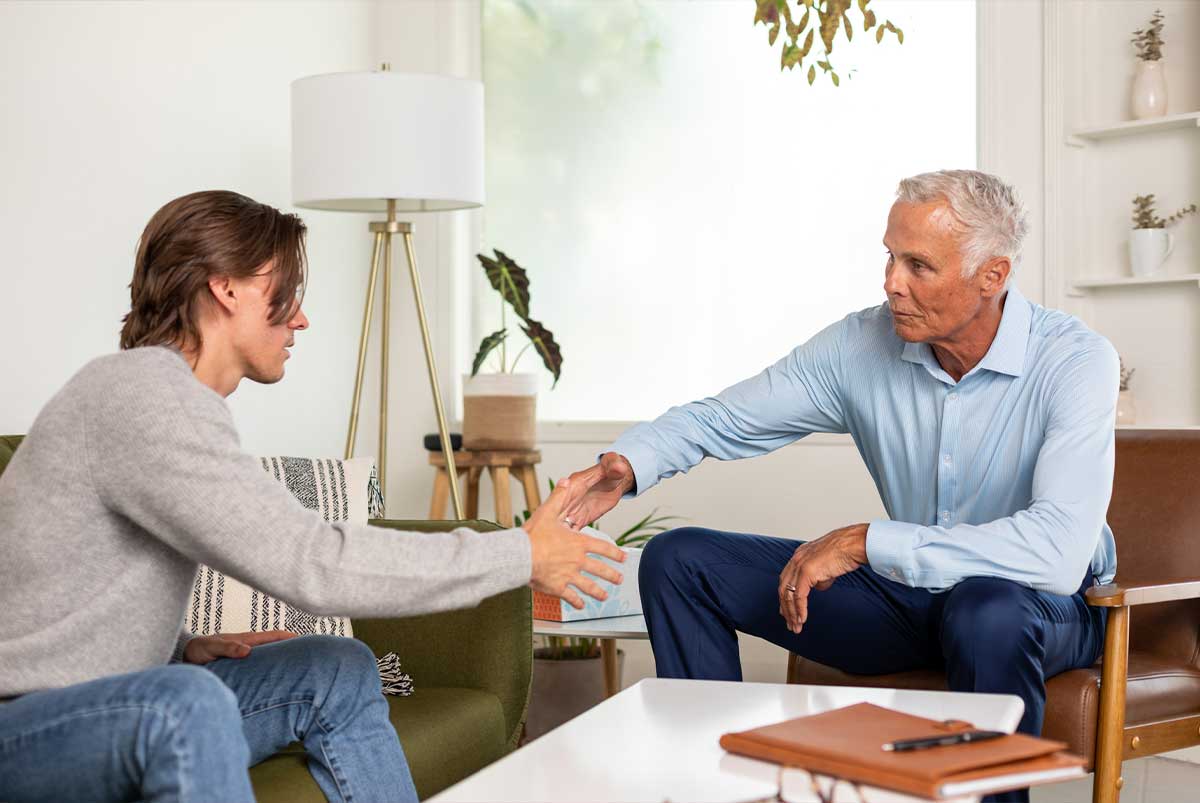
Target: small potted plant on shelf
point(1126, 411)
point(500, 409)
point(1149, 96)
point(1150, 243)
point(568, 677)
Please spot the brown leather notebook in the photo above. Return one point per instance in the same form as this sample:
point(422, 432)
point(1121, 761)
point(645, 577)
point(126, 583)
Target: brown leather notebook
point(847, 743)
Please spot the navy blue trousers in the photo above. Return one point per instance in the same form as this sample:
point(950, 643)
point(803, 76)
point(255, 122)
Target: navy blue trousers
point(699, 587)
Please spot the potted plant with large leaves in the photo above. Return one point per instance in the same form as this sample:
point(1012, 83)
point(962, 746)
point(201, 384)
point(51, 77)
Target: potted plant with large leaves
point(500, 408)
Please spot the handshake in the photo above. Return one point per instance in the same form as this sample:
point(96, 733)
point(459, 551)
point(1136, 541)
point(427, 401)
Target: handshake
point(561, 554)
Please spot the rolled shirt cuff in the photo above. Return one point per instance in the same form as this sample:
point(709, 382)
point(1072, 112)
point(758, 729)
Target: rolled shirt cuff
point(890, 546)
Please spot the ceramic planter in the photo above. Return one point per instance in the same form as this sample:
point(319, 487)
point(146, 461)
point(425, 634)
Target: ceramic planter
point(1148, 250)
point(563, 689)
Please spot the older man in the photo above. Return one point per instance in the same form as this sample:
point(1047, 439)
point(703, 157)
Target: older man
point(986, 422)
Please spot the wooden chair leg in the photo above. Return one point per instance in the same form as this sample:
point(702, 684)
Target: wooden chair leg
point(472, 501)
point(533, 497)
point(1110, 736)
point(502, 487)
point(793, 668)
point(441, 493)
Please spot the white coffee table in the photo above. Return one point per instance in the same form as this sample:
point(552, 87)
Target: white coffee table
point(607, 630)
point(657, 741)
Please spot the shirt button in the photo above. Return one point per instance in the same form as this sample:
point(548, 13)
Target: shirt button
point(953, 397)
point(945, 515)
point(946, 459)
point(895, 573)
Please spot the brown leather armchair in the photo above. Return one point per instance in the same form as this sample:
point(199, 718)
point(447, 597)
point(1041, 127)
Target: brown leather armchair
point(1143, 697)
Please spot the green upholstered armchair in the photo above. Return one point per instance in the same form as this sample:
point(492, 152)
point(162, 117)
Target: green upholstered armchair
point(471, 670)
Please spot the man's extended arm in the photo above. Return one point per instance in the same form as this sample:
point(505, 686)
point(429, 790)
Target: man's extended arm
point(798, 395)
point(1049, 544)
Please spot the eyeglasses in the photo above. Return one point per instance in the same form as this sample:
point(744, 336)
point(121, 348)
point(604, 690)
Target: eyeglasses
point(823, 786)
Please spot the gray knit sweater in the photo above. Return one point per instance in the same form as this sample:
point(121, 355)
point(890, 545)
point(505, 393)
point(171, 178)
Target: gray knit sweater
point(131, 476)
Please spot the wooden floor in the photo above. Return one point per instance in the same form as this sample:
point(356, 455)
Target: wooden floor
point(1147, 780)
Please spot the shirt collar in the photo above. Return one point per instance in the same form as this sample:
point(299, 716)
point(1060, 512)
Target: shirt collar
point(1006, 355)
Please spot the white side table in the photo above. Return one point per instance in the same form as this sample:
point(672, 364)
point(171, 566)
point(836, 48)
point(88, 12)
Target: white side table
point(608, 631)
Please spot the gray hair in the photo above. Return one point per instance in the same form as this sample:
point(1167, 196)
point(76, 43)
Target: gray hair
point(985, 209)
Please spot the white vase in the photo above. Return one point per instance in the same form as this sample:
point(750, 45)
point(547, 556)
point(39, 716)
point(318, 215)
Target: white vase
point(1126, 411)
point(1148, 250)
point(1149, 98)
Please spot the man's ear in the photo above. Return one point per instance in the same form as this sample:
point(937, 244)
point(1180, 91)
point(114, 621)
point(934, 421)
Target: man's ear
point(993, 276)
point(224, 292)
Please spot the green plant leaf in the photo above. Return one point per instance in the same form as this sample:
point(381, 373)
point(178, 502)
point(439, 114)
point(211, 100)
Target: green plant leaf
point(836, 81)
point(868, 20)
point(486, 347)
point(509, 280)
point(543, 340)
point(812, 74)
point(848, 28)
point(879, 34)
point(807, 46)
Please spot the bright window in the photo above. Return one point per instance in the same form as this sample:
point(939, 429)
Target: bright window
point(687, 212)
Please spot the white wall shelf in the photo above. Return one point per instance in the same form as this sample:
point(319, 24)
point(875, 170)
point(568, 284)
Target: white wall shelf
point(1090, 136)
point(1082, 285)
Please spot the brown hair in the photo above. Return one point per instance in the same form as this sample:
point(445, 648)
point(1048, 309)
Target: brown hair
point(196, 237)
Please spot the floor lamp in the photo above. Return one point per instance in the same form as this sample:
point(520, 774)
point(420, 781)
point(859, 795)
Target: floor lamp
point(389, 142)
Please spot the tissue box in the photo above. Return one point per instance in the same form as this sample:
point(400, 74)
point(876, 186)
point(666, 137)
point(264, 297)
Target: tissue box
point(623, 600)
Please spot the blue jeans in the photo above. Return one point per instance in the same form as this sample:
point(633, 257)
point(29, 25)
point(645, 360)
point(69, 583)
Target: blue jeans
point(189, 733)
point(700, 586)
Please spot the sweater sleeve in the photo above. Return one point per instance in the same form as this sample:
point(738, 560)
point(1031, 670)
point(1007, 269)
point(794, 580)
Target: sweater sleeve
point(163, 452)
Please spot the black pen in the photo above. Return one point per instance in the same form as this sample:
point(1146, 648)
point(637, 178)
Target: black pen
point(940, 741)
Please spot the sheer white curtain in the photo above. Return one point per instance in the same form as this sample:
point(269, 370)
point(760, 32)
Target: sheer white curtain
point(688, 213)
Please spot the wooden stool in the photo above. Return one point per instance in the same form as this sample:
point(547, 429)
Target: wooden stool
point(501, 466)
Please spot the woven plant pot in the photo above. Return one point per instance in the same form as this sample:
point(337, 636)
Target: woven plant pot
point(500, 412)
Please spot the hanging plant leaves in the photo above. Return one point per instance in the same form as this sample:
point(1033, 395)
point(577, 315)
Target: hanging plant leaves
point(807, 45)
point(509, 280)
point(543, 340)
point(812, 74)
point(832, 20)
point(487, 347)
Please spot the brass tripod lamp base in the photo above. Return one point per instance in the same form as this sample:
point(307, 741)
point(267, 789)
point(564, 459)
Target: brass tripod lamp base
point(383, 232)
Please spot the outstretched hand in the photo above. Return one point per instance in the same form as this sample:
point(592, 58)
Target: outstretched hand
point(597, 489)
point(561, 555)
point(814, 566)
point(202, 649)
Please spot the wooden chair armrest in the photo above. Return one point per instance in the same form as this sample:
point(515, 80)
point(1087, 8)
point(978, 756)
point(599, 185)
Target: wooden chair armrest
point(1116, 595)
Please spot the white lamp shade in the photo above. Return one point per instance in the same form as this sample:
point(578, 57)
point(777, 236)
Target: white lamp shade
point(361, 138)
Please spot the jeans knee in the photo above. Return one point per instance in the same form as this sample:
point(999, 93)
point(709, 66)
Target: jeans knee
point(196, 699)
point(986, 616)
point(666, 553)
point(347, 664)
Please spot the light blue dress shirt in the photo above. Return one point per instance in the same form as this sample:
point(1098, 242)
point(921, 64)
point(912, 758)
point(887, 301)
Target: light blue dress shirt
point(1006, 473)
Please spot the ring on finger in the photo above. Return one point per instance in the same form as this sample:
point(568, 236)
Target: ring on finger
point(791, 589)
